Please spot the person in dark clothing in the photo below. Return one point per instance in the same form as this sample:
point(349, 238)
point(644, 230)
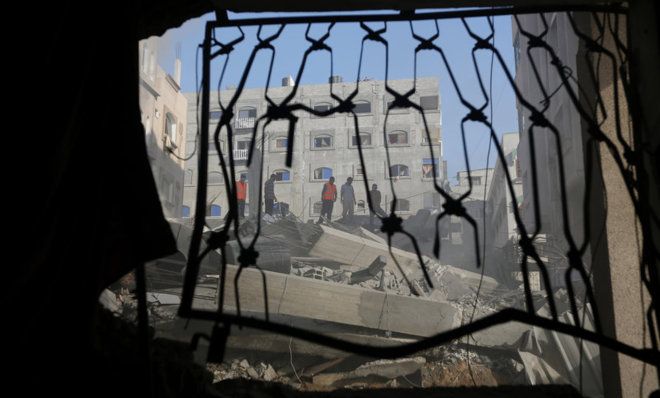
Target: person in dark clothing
point(348, 202)
point(269, 194)
point(375, 203)
point(328, 198)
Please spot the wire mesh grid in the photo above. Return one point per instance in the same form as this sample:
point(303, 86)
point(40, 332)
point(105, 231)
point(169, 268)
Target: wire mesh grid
point(606, 21)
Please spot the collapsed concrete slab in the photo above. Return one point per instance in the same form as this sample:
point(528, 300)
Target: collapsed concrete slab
point(350, 249)
point(328, 301)
point(372, 236)
point(458, 282)
point(576, 361)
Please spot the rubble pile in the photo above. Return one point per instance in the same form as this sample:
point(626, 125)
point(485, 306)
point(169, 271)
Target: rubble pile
point(242, 369)
point(344, 280)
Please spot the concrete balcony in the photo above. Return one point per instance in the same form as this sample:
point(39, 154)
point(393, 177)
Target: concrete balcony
point(244, 123)
point(240, 154)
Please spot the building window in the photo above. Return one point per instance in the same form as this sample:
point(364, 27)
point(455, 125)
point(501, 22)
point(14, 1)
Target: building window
point(434, 132)
point(215, 115)
point(322, 107)
point(322, 173)
point(429, 102)
point(280, 143)
point(398, 137)
point(322, 142)
point(316, 208)
point(475, 180)
point(282, 175)
point(247, 112)
point(188, 179)
point(212, 148)
point(215, 178)
point(215, 211)
point(362, 107)
point(427, 167)
point(185, 211)
point(359, 172)
point(401, 205)
point(365, 139)
point(396, 109)
point(399, 170)
point(170, 126)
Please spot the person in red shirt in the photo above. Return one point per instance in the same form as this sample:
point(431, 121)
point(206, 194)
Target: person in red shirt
point(328, 198)
point(241, 195)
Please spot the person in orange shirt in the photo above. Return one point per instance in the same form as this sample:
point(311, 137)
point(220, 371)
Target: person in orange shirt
point(241, 195)
point(328, 198)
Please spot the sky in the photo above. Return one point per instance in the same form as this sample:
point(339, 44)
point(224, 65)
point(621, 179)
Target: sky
point(345, 40)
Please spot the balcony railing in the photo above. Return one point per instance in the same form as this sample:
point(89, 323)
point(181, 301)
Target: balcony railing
point(240, 154)
point(244, 123)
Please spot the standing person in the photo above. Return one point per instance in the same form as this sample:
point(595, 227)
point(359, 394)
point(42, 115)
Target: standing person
point(241, 195)
point(375, 203)
point(328, 197)
point(269, 194)
point(347, 199)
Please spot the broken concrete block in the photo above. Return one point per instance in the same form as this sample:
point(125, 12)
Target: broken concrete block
point(374, 269)
point(163, 298)
point(109, 300)
point(346, 248)
point(269, 374)
point(456, 282)
point(252, 373)
point(350, 305)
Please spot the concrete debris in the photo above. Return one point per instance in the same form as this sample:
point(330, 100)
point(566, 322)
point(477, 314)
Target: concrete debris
point(316, 369)
point(252, 373)
point(109, 300)
point(538, 371)
point(312, 299)
point(372, 271)
point(321, 273)
point(453, 283)
point(343, 280)
point(163, 298)
point(457, 375)
point(347, 248)
point(269, 374)
point(388, 369)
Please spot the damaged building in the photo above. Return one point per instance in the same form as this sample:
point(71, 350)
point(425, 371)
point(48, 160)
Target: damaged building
point(142, 278)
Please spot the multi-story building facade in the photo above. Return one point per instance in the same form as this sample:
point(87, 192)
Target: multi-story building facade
point(501, 230)
point(562, 113)
point(460, 248)
point(327, 146)
point(164, 110)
